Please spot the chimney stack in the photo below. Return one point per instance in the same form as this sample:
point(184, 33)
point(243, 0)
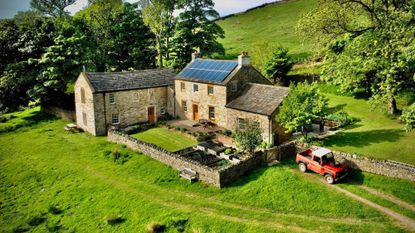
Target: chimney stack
point(196, 55)
point(244, 59)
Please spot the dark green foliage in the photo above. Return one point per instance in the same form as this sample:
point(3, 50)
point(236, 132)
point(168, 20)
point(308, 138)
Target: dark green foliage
point(249, 137)
point(155, 227)
point(303, 105)
point(196, 30)
point(202, 137)
point(227, 133)
point(342, 117)
point(408, 118)
point(279, 64)
point(117, 156)
point(55, 210)
point(36, 220)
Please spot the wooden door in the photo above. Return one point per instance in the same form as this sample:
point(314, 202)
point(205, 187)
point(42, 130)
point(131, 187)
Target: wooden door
point(151, 115)
point(195, 112)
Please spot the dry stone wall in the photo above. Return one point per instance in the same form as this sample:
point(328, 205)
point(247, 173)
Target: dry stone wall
point(218, 178)
point(381, 167)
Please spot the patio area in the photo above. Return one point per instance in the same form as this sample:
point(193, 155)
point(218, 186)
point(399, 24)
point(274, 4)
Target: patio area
point(195, 127)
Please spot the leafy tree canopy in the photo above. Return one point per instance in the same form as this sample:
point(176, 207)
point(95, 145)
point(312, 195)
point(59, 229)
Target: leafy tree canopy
point(279, 64)
point(248, 137)
point(367, 45)
point(301, 107)
point(54, 8)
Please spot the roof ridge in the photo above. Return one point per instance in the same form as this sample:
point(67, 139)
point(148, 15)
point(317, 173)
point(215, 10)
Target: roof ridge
point(210, 59)
point(126, 72)
point(273, 86)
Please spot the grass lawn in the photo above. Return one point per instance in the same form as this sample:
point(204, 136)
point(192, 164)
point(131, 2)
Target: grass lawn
point(375, 135)
point(164, 138)
point(52, 180)
point(274, 24)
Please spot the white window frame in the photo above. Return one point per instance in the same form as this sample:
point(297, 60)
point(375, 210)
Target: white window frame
point(115, 119)
point(212, 88)
point(195, 88)
point(112, 98)
point(184, 106)
point(210, 113)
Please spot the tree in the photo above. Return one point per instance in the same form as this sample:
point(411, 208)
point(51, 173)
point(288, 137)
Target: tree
point(195, 29)
point(301, 107)
point(248, 137)
point(117, 36)
point(408, 118)
point(54, 8)
point(367, 46)
point(279, 64)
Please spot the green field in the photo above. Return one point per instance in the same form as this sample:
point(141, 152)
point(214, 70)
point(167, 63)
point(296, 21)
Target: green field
point(164, 138)
point(52, 180)
point(274, 24)
point(374, 135)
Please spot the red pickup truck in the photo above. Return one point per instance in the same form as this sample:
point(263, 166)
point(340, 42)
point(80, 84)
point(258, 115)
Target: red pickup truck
point(322, 162)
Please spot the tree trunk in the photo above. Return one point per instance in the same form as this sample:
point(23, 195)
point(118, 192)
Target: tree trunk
point(158, 41)
point(392, 109)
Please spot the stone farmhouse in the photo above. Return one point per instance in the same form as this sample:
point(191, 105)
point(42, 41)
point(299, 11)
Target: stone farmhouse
point(228, 93)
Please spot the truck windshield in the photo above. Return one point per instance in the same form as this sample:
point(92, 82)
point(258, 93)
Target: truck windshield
point(328, 159)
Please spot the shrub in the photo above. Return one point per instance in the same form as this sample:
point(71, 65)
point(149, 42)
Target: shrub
point(228, 151)
point(202, 137)
point(3, 119)
point(227, 132)
point(265, 145)
point(249, 137)
point(114, 219)
point(117, 156)
point(155, 227)
point(54, 210)
point(408, 118)
point(342, 117)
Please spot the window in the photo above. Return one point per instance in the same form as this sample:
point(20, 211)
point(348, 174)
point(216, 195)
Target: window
point(241, 123)
point(234, 87)
point(195, 88)
point(182, 86)
point(256, 124)
point(115, 119)
point(162, 111)
point(82, 95)
point(211, 113)
point(84, 119)
point(112, 98)
point(210, 90)
point(184, 106)
point(317, 159)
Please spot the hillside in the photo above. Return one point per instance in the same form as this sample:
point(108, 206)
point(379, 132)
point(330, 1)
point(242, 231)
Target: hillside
point(259, 30)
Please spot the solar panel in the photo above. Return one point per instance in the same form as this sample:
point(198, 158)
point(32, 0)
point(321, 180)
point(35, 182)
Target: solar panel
point(208, 70)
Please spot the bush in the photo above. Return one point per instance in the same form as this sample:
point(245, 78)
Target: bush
point(228, 151)
point(155, 227)
point(3, 119)
point(227, 132)
point(202, 137)
point(265, 145)
point(114, 219)
point(116, 156)
point(408, 118)
point(342, 117)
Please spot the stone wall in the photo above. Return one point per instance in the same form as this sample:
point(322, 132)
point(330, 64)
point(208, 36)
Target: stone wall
point(381, 167)
point(281, 152)
point(85, 113)
point(202, 99)
point(218, 178)
point(66, 115)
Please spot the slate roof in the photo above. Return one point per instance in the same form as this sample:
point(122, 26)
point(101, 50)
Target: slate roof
point(259, 98)
point(207, 70)
point(121, 81)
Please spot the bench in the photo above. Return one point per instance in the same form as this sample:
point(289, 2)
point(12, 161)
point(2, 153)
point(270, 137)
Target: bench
point(189, 174)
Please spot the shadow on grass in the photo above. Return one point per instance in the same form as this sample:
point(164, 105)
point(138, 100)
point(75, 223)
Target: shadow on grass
point(336, 108)
point(28, 120)
point(362, 139)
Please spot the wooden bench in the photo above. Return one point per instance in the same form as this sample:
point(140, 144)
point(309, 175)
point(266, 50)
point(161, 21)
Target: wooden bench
point(189, 174)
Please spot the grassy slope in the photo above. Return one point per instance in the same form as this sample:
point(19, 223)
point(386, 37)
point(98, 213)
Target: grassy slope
point(69, 171)
point(171, 141)
point(375, 135)
point(274, 24)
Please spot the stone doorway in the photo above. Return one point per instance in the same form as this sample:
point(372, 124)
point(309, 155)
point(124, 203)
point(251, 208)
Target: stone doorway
point(195, 112)
point(151, 116)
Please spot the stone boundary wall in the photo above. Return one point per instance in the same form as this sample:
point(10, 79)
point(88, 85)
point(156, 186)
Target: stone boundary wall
point(61, 113)
point(218, 178)
point(280, 152)
point(381, 167)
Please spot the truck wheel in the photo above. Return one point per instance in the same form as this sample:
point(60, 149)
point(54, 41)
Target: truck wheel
point(302, 167)
point(329, 179)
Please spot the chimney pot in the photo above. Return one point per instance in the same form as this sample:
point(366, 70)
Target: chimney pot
point(244, 59)
point(195, 56)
